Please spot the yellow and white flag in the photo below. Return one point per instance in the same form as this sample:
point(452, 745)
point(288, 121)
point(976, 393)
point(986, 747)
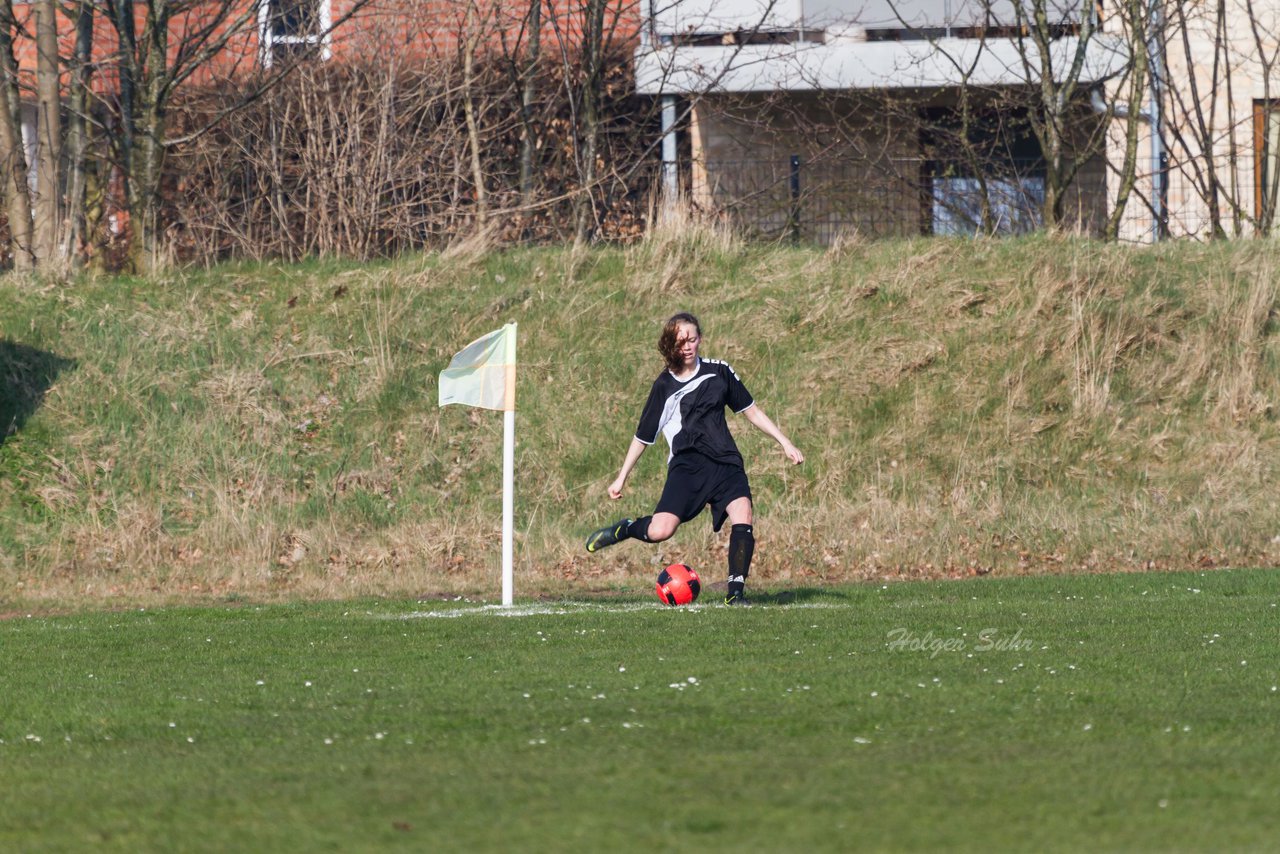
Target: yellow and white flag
point(483, 373)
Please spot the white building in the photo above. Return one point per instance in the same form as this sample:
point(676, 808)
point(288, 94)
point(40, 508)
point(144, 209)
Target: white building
point(898, 117)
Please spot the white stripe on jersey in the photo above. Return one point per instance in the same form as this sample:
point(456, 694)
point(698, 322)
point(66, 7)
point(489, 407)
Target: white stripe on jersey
point(671, 421)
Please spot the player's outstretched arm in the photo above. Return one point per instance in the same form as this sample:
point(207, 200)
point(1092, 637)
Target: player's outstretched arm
point(757, 417)
point(633, 454)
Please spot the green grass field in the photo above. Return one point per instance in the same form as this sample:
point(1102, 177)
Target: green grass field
point(261, 442)
point(1101, 712)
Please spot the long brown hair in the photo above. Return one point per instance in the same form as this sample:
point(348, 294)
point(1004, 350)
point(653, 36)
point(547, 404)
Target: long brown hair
point(670, 333)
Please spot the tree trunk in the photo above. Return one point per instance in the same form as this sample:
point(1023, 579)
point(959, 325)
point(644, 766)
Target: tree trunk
point(1137, 90)
point(1056, 101)
point(1267, 53)
point(589, 127)
point(1193, 107)
point(48, 200)
point(17, 192)
point(1051, 104)
point(469, 109)
point(147, 158)
point(126, 68)
point(148, 162)
point(528, 145)
point(78, 99)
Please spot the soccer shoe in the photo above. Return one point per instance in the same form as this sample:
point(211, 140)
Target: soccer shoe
point(737, 599)
point(608, 535)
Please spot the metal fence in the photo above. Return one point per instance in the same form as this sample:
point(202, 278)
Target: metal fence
point(816, 201)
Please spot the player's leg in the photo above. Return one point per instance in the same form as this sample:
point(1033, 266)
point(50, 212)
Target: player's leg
point(683, 496)
point(614, 532)
point(656, 528)
point(649, 529)
point(742, 546)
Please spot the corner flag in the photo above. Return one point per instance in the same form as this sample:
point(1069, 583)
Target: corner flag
point(483, 374)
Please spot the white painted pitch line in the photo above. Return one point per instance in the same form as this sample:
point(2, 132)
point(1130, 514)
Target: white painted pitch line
point(582, 607)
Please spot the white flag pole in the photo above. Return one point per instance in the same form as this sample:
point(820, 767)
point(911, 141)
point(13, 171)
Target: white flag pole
point(481, 376)
point(508, 502)
point(508, 473)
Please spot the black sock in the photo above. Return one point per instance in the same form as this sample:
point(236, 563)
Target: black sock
point(742, 544)
point(639, 529)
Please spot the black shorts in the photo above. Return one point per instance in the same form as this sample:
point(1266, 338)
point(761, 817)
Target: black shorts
point(694, 481)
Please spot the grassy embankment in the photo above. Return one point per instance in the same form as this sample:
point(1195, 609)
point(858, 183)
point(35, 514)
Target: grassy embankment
point(269, 431)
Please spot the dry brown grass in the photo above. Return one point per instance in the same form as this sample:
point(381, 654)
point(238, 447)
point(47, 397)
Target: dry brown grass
point(965, 407)
point(665, 261)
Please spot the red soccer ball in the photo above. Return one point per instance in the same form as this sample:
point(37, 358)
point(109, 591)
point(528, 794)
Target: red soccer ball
point(678, 585)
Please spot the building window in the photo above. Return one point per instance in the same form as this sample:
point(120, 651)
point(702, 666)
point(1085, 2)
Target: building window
point(1266, 148)
point(290, 29)
point(1016, 204)
point(988, 160)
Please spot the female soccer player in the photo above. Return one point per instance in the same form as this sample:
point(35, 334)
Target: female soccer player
point(687, 405)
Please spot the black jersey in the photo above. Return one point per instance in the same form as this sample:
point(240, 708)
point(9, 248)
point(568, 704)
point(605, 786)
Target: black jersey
point(690, 413)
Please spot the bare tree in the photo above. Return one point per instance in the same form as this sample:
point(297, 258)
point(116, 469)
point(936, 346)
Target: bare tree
point(78, 130)
point(521, 48)
point(179, 40)
point(473, 32)
point(1135, 18)
point(976, 128)
point(12, 153)
point(46, 213)
point(1225, 55)
point(1054, 118)
point(48, 198)
point(529, 91)
point(1195, 121)
point(973, 147)
point(1266, 53)
point(355, 159)
point(588, 34)
point(460, 126)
